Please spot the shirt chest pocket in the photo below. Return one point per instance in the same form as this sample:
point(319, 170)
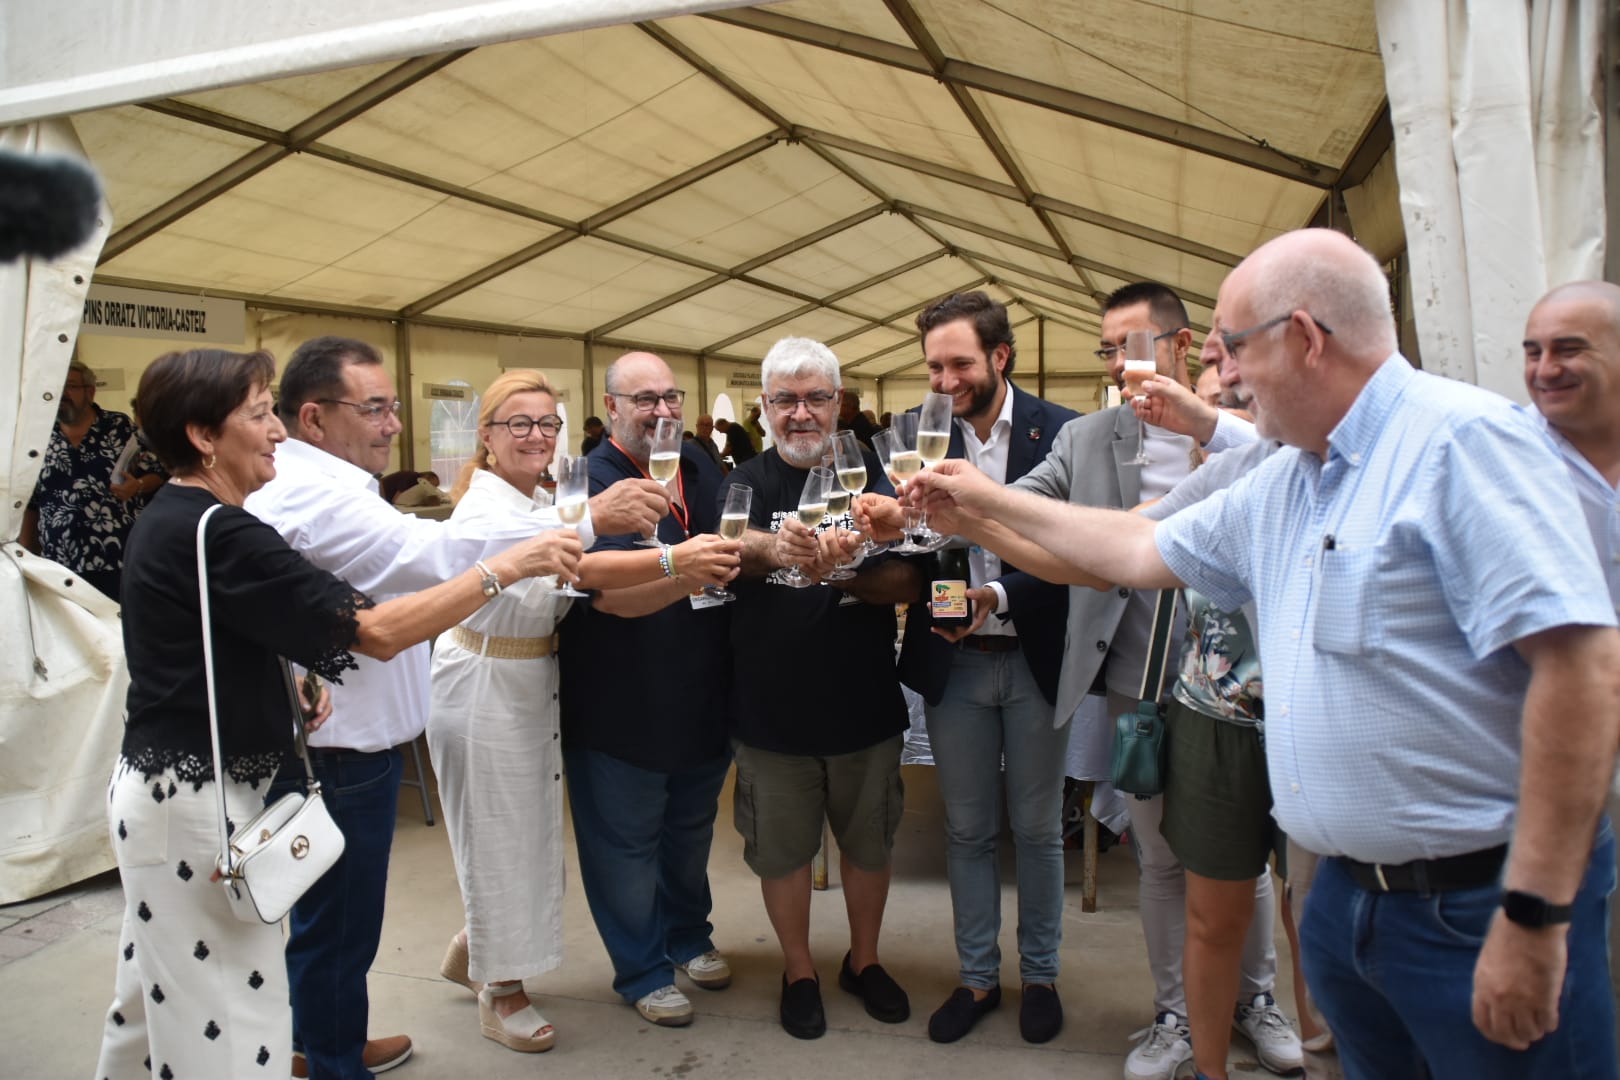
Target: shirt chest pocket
point(1346, 621)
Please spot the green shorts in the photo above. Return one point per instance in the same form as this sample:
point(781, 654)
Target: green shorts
point(782, 799)
point(1217, 797)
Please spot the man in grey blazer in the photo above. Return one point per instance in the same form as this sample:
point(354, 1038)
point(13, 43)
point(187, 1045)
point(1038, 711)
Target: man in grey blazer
point(1107, 640)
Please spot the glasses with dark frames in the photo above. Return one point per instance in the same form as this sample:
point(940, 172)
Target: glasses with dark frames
point(519, 426)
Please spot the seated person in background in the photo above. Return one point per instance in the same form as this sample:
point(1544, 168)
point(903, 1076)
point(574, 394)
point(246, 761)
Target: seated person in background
point(425, 492)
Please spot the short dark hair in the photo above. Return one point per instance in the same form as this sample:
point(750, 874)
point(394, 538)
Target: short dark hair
point(1166, 309)
point(316, 371)
point(597, 420)
point(200, 386)
point(989, 321)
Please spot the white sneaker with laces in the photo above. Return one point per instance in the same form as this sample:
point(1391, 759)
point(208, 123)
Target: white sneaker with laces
point(1275, 1042)
point(1164, 1048)
point(666, 1006)
point(708, 970)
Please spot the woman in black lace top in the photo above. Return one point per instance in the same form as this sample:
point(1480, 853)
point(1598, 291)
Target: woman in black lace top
point(198, 992)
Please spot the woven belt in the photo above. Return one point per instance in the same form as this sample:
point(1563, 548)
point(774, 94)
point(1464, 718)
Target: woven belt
point(504, 648)
point(989, 643)
point(1468, 871)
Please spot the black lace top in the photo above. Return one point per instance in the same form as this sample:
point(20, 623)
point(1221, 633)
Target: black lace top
point(266, 600)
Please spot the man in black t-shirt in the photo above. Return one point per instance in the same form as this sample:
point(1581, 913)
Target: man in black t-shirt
point(817, 712)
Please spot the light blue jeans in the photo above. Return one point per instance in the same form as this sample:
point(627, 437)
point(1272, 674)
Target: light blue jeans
point(992, 712)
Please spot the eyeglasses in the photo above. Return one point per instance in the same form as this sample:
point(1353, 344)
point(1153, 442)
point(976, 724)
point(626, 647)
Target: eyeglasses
point(1235, 340)
point(371, 412)
point(1107, 352)
point(521, 425)
point(647, 401)
point(815, 401)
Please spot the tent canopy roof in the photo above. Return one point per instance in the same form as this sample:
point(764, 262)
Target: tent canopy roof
point(713, 182)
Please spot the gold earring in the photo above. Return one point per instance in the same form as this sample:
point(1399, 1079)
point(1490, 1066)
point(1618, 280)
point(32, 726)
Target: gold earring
point(489, 459)
point(210, 461)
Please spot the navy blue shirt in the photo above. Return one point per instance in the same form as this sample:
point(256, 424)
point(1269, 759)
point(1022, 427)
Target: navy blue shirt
point(650, 691)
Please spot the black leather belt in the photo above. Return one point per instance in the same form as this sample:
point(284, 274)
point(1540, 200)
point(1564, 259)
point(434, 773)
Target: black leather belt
point(989, 643)
point(1468, 871)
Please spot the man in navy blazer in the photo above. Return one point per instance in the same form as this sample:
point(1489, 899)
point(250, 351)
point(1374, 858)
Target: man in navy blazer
point(990, 688)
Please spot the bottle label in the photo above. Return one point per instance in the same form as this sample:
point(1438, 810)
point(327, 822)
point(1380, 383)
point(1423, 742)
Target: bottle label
point(949, 600)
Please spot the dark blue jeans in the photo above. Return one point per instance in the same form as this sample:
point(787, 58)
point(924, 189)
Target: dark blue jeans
point(334, 928)
point(1394, 975)
point(643, 840)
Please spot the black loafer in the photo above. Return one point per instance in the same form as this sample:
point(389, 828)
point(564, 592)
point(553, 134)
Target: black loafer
point(884, 999)
point(960, 1012)
point(802, 1014)
point(1040, 1017)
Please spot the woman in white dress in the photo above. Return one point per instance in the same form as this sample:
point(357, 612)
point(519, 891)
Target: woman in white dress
point(493, 727)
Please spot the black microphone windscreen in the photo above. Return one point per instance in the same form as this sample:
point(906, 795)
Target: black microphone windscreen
point(48, 205)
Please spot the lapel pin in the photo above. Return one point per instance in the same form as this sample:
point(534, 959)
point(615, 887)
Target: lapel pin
point(1034, 434)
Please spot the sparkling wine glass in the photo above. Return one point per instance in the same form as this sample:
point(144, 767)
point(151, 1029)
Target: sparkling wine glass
point(733, 523)
point(890, 447)
point(1139, 368)
point(933, 443)
point(664, 462)
point(812, 510)
point(851, 467)
point(573, 475)
point(838, 498)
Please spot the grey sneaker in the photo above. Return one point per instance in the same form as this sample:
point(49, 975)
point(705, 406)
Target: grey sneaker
point(1164, 1048)
point(708, 970)
point(1275, 1043)
point(666, 1006)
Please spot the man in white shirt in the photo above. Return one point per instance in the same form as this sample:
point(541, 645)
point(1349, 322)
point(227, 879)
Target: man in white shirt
point(341, 412)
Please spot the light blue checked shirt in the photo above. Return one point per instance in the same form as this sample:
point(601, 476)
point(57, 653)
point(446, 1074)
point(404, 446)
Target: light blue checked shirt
point(1392, 580)
point(1600, 502)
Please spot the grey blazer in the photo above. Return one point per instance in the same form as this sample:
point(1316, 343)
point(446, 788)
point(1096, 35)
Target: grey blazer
point(1085, 468)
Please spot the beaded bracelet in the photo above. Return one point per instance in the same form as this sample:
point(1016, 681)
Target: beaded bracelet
point(666, 561)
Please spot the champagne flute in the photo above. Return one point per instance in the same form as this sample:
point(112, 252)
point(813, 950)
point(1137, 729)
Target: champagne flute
point(573, 475)
point(812, 509)
point(838, 498)
point(900, 464)
point(1140, 366)
point(733, 523)
point(851, 465)
point(933, 443)
point(664, 462)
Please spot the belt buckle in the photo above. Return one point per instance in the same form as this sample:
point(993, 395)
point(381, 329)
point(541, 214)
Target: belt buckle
point(1378, 875)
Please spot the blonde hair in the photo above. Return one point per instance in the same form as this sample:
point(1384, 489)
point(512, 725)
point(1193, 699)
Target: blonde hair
point(507, 384)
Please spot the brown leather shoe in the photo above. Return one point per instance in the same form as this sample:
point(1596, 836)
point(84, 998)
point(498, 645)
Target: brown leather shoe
point(379, 1056)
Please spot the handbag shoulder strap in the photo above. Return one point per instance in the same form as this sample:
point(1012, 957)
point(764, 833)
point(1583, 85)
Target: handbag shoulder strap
point(1160, 646)
point(208, 675)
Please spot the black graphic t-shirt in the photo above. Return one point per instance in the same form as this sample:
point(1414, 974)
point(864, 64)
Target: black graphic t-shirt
point(814, 668)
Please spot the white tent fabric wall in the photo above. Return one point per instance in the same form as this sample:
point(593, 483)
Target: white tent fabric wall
point(62, 673)
point(1498, 119)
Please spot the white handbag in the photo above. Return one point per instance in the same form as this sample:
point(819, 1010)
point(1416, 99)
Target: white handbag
point(272, 859)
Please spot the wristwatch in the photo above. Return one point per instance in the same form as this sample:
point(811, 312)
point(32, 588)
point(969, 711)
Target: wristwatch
point(487, 580)
point(1528, 909)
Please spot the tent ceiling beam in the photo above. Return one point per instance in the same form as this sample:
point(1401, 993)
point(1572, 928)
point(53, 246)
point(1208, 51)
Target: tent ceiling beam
point(255, 161)
point(830, 298)
point(1008, 191)
point(889, 320)
point(1082, 106)
point(595, 221)
point(909, 364)
point(914, 27)
point(1080, 300)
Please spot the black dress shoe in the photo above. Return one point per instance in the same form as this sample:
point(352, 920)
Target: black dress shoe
point(1040, 1017)
point(884, 999)
point(802, 1014)
point(960, 1012)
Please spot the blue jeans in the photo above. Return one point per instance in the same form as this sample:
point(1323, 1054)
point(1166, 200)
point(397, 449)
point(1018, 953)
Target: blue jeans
point(991, 712)
point(334, 928)
point(643, 840)
point(1394, 976)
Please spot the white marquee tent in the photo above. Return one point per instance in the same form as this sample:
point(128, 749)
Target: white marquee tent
point(474, 183)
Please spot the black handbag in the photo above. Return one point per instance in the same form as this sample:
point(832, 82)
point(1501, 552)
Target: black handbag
point(1139, 756)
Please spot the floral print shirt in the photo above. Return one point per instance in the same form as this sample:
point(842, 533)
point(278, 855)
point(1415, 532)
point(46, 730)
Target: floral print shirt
point(1220, 671)
point(82, 524)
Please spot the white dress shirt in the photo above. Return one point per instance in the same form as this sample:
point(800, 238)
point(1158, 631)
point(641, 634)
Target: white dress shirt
point(990, 458)
point(329, 512)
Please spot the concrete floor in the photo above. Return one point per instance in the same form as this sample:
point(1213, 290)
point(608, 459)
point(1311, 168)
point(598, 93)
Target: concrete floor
point(57, 955)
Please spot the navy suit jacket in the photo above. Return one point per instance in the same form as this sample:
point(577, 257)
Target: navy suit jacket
point(1039, 609)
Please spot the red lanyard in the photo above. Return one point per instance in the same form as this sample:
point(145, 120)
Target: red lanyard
point(678, 509)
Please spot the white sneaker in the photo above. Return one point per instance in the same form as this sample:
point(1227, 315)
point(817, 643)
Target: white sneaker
point(666, 1006)
point(1273, 1036)
point(1164, 1048)
point(708, 970)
